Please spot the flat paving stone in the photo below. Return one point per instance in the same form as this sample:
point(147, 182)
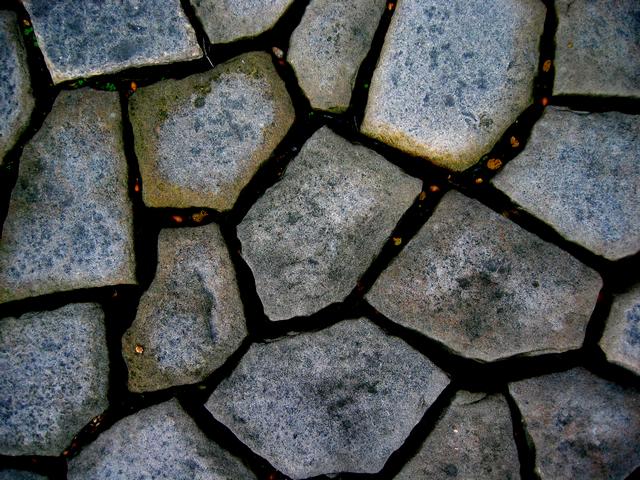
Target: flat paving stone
point(329, 45)
point(159, 442)
point(338, 400)
point(486, 288)
point(597, 48)
point(582, 426)
point(191, 318)
point(83, 38)
point(621, 338)
point(453, 76)
point(473, 440)
point(580, 174)
point(69, 224)
point(313, 234)
point(19, 475)
point(199, 140)
point(55, 369)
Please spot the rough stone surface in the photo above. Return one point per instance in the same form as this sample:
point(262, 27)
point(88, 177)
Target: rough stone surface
point(312, 235)
point(55, 369)
point(339, 400)
point(191, 318)
point(329, 45)
point(200, 140)
point(473, 440)
point(69, 223)
point(453, 76)
point(598, 48)
point(621, 338)
point(82, 38)
point(19, 475)
point(580, 174)
point(582, 426)
point(160, 442)
point(485, 287)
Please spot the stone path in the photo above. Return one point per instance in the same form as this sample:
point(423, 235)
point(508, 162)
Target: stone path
point(319, 239)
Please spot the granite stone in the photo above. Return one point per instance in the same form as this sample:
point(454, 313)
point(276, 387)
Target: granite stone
point(20, 475)
point(621, 338)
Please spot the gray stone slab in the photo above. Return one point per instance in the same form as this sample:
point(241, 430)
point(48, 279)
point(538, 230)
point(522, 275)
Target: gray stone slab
point(485, 287)
point(580, 174)
point(312, 235)
point(55, 369)
point(329, 45)
point(69, 224)
point(158, 443)
point(338, 400)
point(621, 337)
point(597, 48)
point(453, 76)
point(191, 319)
point(582, 426)
point(473, 440)
point(82, 38)
point(19, 475)
point(199, 140)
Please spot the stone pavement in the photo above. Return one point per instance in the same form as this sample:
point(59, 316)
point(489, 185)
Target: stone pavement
point(271, 239)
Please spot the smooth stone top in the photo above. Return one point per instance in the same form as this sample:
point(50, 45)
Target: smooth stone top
point(580, 174)
point(597, 48)
point(329, 45)
point(69, 224)
point(453, 76)
point(19, 475)
point(338, 400)
point(55, 369)
point(312, 235)
point(582, 426)
point(485, 287)
point(158, 443)
point(199, 140)
point(621, 338)
point(191, 318)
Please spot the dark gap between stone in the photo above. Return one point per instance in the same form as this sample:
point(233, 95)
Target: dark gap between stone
point(524, 444)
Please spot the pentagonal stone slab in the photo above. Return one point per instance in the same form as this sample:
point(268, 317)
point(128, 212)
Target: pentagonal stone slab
point(200, 140)
point(580, 174)
point(19, 475)
point(160, 442)
point(582, 426)
point(329, 45)
point(621, 338)
point(82, 38)
point(474, 439)
point(313, 234)
point(342, 399)
point(55, 369)
point(69, 223)
point(191, 318)
point(485, 287)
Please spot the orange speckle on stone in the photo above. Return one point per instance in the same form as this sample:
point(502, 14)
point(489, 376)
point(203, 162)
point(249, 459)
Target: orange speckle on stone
point(177, 218)
point(422, 196)
point(391, 6)
point(494, 163)
point(139, 349)
point(26, 22)
point(515, 143)
point(478, 181)
point(434, 188)
point(277, 52)
point(199, 216)
point(136, 186)
point(133, 87)
point(546, 66)
point(570, 45)
point(544, 101)
point(397, 241)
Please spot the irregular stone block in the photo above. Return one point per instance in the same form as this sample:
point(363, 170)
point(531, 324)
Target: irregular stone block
point(485, 287)
point(19, 475)
point(582, 426)
point(54, 378)
point(580, 174)
point(69, 224)
point(338, 400)
point(161, 443)
point(453, 76)
point(199, 140)
point(621, 338)
point(83, 38)
point(312, 235)
point(329, 45)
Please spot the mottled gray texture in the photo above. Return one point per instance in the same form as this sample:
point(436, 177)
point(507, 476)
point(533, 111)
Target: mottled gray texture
point(191, 318)
point(452, 76)
point(19, 475)
point(69, 223)
point(329, 45)
point(597, 48)
point(338, 400)
point(55, 369)
point(82, 38)
point(582, 426)
point(485, 287)
point(621, 338)
point(473, 440)
point(580, 174)
point(158, 443)
point(200, 140)
point(312, 235)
